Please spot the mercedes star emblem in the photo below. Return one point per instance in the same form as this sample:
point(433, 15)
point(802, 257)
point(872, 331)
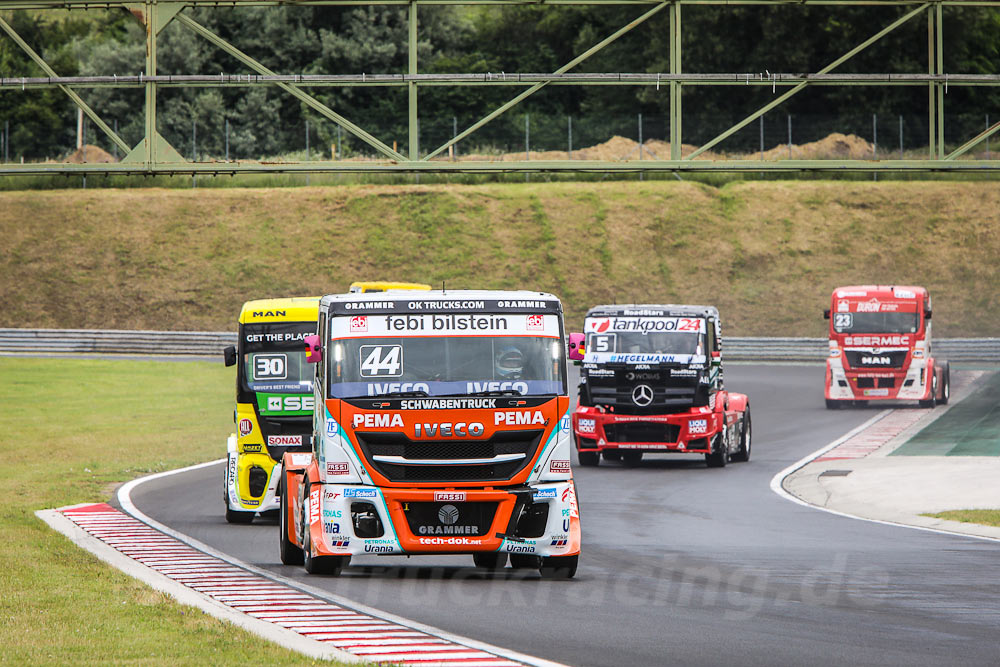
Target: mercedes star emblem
point(642, 395)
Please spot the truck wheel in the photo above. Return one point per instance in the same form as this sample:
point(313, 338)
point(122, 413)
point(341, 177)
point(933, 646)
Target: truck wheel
point(946, 378)
point(559, 567)
point(525, 562)
point(743, 454)
point(233, 516)
point(929, 403)
point(331, 565)
point(290, 554)
point(834, 405)
point(588, 459)
point(490, 560)
point(720, 455)
point(612, 455)
point(631, 458)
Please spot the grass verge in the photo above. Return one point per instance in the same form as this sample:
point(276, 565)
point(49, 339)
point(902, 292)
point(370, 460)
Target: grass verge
point(767, 253)
point(982, 517)
point(70, 430)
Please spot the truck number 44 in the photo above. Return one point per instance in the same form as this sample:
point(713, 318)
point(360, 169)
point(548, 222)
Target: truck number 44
point(381, 360)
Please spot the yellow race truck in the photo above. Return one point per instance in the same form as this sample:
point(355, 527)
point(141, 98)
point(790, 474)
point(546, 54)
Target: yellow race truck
point(274, 396)
point(274, 400)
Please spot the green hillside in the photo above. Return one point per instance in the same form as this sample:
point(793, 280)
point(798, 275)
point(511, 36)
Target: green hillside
point(767, 253)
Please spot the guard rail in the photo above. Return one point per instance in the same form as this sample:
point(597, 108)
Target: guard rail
point(211, 343)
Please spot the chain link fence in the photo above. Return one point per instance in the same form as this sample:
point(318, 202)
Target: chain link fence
point(521, 134)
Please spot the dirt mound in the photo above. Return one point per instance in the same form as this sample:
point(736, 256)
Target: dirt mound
point(835, 146)
point(615, 149)
point(90, 153)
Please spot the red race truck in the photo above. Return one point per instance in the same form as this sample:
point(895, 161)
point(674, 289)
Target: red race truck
point(441, 426)
point(651, 382)
point(880, 347)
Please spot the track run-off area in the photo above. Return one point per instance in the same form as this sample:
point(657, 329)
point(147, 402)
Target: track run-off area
point(681, 564)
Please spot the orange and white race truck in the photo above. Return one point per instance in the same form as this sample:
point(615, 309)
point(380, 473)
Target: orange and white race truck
point(441, 426)
point(651, 382)
point(880, 347)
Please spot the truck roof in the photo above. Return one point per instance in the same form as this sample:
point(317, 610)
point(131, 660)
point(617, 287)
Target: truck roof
point(880, 291)
point(383, 286)
point(286, 309)
point(652, 310)
point(403, 301)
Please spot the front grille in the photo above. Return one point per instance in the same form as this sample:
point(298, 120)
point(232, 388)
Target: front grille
point(665, 399)
point(881, 383)
point(450, 518)
point(397, 444)
point(642, 432)
point(857, 359)
point(297, 425)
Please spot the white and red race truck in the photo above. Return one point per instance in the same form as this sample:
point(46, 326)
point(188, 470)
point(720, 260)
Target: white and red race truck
point(880, 347)
point(441, 426)
point(651, 382)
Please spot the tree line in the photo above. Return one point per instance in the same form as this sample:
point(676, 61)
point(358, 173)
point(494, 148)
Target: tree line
point(264, 121)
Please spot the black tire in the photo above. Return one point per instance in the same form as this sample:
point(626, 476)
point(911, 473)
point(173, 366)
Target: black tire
point(930, 402)
point(331, 565)
point(720, 455)
point(946, 378)
point(630, 459)
point(525, 562)
point(746, 439)
point(835, 405)
point(612, 454)
point(233, 516)
point(559, 567)
point(490, 560)
point(588, 459)
point(289, 552)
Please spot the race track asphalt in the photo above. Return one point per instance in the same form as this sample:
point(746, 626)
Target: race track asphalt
point(682, 564)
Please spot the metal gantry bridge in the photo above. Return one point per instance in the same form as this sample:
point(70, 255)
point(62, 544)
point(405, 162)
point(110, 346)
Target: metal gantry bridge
point(154, 155)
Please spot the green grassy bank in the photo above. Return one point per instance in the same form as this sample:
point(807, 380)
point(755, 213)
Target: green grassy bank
point(70, 430)
point(767, 253)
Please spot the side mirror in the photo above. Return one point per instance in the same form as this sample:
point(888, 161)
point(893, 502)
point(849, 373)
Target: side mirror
point(927, 314)
point(576, 346)
point(826, 314)
point(229, 355)
point(314, 354)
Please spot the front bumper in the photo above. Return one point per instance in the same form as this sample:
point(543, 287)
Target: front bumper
point(332, 529)
point(685, 433)
point(911, 384)
point(239, 468)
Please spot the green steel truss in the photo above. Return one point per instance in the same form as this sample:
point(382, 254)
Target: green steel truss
point(154, 155)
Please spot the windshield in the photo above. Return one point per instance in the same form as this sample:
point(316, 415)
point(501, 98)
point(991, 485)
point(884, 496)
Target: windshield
point(274, 358)
point(654, 339)
point(642, 343)
point(452, 363)
point(855, 323)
